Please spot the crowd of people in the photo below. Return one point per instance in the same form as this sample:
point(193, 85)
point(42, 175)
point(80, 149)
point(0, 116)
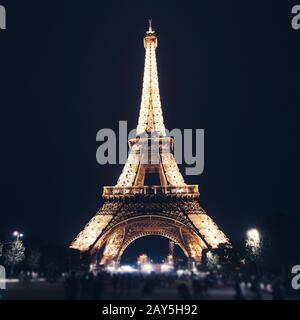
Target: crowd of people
point(102, 285)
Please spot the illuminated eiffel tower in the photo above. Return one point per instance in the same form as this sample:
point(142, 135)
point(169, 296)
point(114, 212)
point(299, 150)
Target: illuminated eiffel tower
point(132, 210)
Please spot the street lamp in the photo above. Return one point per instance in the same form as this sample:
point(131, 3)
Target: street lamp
point(18, 235)
point(253, 241)
point(254, 236)
point(253, 233)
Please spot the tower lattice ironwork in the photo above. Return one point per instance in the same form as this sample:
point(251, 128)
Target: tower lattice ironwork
point(131, 209)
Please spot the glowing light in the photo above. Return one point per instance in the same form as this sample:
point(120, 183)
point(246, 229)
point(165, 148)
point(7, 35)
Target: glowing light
point(170, 259)
point(183, 272)
point(147, 268)
point(9, 280)
point(111, 268)
point(165, 267)
point(254, 235)
point(92, 266)
point(127, 269)
point(253, 241)
point(18, 235)
point(142, 259)
point(212, 260)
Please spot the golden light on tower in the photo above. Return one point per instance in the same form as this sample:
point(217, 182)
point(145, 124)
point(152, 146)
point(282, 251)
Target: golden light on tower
point(131, 209)
point(142, 259)
point(170, 259)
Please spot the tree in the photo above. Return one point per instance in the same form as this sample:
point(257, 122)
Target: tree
point(229, 257)
point(14, 255)
point(254, 244)
point(212, 260)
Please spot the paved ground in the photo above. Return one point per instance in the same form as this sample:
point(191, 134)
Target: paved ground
point(50, 291)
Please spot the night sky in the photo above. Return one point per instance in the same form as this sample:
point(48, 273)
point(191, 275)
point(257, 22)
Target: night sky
point(68, 70)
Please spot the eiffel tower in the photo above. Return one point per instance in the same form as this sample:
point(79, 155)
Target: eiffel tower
point(131, 209)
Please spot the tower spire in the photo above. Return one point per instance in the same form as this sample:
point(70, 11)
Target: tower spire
point(150, 25)
point(150, 117)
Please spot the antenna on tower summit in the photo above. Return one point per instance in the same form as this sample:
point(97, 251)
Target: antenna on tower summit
point(150, 25)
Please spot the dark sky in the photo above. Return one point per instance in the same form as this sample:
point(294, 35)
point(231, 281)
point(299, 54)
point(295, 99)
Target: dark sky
point(68, 69)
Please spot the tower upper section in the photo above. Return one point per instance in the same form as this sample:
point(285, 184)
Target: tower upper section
point(150, 118)
point(151, 151)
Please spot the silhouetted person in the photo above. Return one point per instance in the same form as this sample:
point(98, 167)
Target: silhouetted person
point(71, 286)
point(148, 288)
point(184, 292)
point(98, 285)
point(238, 286)
point(255, 287)
point(85, 285)
point(279, 292)
point(114, 281)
